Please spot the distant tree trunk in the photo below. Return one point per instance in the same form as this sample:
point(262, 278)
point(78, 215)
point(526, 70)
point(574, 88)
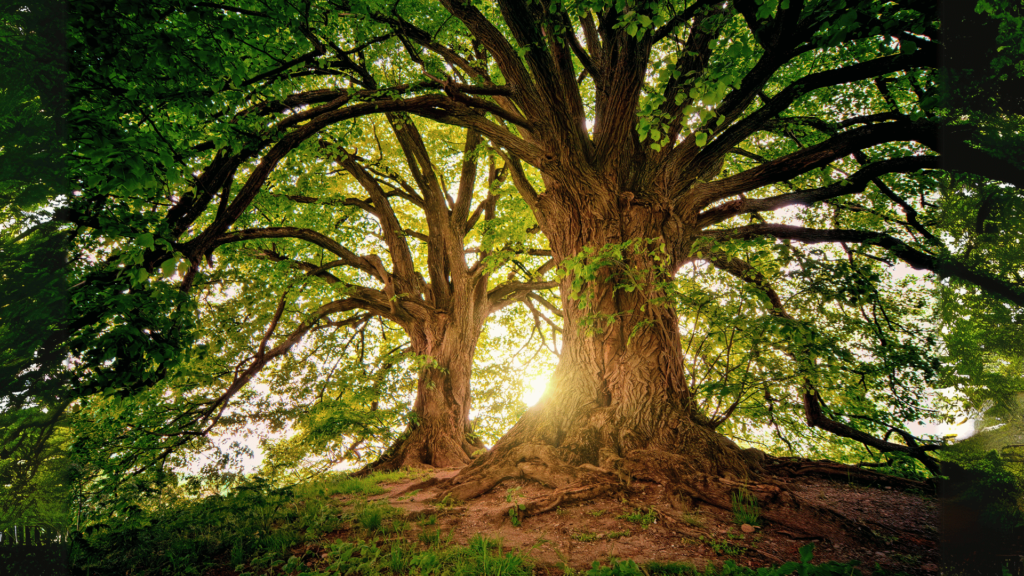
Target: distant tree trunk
point(439, 435)
point(619, 402)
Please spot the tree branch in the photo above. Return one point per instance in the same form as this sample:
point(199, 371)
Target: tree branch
point(944, 267)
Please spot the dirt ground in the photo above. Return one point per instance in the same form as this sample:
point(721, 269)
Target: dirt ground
point(882, 525)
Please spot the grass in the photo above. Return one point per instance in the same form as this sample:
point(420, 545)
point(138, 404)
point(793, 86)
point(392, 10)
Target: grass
point(694, 520)
point(482, 556)
point(377, 517)
point(804, 567)
point(253, 524)
point(722, 546)
point(593, 537)
point(448, 502)
point(745, 509)
point(639, 516)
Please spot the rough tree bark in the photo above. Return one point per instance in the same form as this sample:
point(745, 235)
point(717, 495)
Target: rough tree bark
point(440, 435)
point(618, 404)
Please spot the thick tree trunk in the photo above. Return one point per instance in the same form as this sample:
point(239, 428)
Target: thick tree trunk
point(618, 402)
point(440, 434)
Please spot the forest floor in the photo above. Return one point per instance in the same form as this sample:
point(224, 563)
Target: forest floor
point(880, 526)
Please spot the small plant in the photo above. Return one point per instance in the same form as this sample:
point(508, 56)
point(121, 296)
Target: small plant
point(371, 518)
point(396, 527)
point(694, 520)
point(515, 512)
point(616, 568)
point(448, 502)
point(398, 560)
point(744, 507)
point(593, 537)
point(584, 537)
point(479, 542)
point(644, 519)
point(596, 513)
point(670, 569)
point(722, 547)
point(430, 537)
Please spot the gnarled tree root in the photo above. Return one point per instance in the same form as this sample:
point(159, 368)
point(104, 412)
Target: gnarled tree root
point(799, 518)
point(790, 467)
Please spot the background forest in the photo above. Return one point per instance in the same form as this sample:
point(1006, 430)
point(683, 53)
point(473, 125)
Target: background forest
point(249, 248)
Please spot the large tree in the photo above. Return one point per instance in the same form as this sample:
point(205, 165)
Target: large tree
point(432, 272)
point(642, 136)
point(167, 180)
point(637, 119)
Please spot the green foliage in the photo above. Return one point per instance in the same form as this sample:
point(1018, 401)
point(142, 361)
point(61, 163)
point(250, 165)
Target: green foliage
point(744, 507)
point(670, 568)
point(184, 536)
point(634, 265)
point(723, 546)
point(642, 517)
point(253, 523)
point(483, 556)
point(901, 465)
point(729, 568)
point(513, 495)
point(593, 536)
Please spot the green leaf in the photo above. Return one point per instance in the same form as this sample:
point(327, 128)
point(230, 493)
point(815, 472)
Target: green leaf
point(807, 553)
point(145, 240)
point(168, 267)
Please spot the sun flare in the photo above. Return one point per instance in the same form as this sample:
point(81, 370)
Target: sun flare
point(534, 388)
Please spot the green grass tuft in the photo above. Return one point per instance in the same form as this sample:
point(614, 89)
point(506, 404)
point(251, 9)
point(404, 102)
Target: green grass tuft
point(639, 516)
point(744, 507)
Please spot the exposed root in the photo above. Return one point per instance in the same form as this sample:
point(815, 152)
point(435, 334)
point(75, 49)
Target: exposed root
point(565, 496)
point(790, 467)
point(536, 462)
point(717, 491)
point(428, 483)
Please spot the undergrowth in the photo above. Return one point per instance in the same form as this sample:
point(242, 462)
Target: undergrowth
point(263, 531)
point(641, 517)
point(729, 568)
point(254, 523)
point(745, 509)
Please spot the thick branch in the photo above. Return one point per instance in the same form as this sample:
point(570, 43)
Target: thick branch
point(855, 184)
point(942, 266)
point(802, 161)
point(347, 256)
